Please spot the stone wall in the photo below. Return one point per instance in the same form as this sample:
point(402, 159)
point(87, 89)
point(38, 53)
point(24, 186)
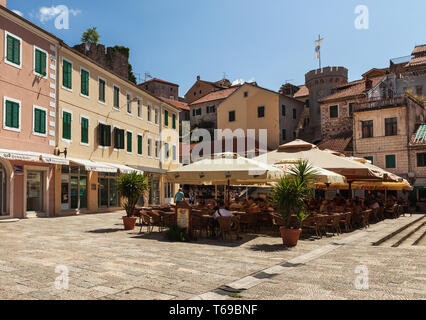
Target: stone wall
point(110, 58)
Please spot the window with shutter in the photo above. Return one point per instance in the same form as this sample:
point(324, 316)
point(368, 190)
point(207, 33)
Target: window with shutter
point(166, 118)
point(391, 161)
point(13, 52)
point(129, 141)
point(174, 153)
point(12, 115)
point(40, 59)
point(116, 97)
point(334, 112)
point(39, 121)
point(101, 90)
point(66, 126)
point(139, 145)
point(67, 74)
point(84, 130)
point(85, 82)
point(174, 121)
point(166, 151)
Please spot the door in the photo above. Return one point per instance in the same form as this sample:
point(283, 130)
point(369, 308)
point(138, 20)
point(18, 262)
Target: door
point(65, 192)
point(103, 192)
point(74, 192)
point(35, 192)
point(2, 192)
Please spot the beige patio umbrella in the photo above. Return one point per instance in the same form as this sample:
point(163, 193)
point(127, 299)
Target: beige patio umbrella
point(225, 169)
point(299, 149)
point(369, 185)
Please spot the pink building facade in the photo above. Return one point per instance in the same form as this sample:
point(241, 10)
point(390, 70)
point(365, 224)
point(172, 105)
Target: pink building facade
point(27, 118)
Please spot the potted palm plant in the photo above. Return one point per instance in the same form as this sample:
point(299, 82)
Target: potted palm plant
point(131, 186)
point(290, 199)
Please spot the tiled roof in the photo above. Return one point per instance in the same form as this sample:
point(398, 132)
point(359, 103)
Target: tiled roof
point(419, 49)
point(303, 92)
point(340, 143)
point(416, 62)
point(216, 95)
point(352, 89)
point(419, 138)
point(159, 80)
point(177, 104)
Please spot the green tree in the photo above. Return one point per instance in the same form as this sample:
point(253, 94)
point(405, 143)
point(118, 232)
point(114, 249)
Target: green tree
point(131, 186)
point(90, 36)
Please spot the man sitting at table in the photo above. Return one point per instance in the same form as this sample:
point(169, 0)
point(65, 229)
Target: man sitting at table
point(222, 211)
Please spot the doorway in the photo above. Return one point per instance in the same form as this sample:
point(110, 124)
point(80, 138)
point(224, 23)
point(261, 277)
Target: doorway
point(108, 196)
point(3, 194)
point(35, 191)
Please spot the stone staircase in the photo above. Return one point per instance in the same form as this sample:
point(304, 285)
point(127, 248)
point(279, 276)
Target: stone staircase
point(412, 234)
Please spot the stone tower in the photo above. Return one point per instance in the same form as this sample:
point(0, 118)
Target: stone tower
point(321, 83)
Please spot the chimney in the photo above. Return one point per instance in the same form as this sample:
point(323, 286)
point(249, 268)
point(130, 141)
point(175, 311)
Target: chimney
point(3, 3)
point(198, 78)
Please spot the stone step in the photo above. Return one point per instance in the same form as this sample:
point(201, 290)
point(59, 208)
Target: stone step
point(412, 237)
point(406, 234)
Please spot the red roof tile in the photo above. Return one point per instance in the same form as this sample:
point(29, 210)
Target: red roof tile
point(340, 143)
point(303, 92)
point(417, 62)
point(352, 89)
point(177, 104)
point(419, 49)
point(159, 80)
point(216, 95)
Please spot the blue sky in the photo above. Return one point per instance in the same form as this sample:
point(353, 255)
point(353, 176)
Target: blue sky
point(269, 41)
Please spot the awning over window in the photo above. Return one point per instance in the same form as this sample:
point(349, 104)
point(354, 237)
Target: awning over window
point(54, 160)
point(19, 155)
point(32, 157)
point(90, 165)
point(123, 168)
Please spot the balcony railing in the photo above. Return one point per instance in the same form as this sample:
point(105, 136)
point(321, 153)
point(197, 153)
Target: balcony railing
point(380, 103)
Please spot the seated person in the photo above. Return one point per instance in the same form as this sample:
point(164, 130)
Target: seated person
point(221, 210)
point(374, 204)
point(324, 206)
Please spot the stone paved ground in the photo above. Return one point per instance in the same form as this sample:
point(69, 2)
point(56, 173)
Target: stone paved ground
point(105, 262)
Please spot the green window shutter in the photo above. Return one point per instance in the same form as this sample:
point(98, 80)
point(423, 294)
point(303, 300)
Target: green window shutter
point(66, 123)
point(102, 90)
point(67, 75)
point(390, 161)
point(166, 151)
point(12, 115)
point(84, 82)
point(140, 145)
point(129, 142)
point(116, 97)
point(40, 62)
point(84, 130)
point(9, 49)
point(40, 121)
point(13, 50)
point(174, 121)
point(166, 118)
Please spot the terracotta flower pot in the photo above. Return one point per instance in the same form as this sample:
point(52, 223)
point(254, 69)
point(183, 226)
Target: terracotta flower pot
point(290, 236)
point(129, 223)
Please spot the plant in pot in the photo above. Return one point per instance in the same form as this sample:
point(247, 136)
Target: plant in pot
point(131, 186)
point(290, 197)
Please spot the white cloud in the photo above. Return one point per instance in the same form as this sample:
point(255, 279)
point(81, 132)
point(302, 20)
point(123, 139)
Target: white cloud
point(18, 13)
point(242, 81)
point(49, 13)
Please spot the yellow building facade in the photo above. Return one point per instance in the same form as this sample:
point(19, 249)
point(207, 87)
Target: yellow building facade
point(107, 126)
point(254, 108)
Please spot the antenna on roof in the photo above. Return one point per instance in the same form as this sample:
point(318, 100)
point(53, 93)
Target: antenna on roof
point(288, 81)
point(147, 76)
point(138, 75)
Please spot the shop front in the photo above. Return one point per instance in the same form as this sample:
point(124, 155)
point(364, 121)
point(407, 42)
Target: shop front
point(89, 187)
point(27, 184)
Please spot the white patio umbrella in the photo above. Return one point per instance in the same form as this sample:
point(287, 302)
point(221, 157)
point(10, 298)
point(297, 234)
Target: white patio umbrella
point(225, 169)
